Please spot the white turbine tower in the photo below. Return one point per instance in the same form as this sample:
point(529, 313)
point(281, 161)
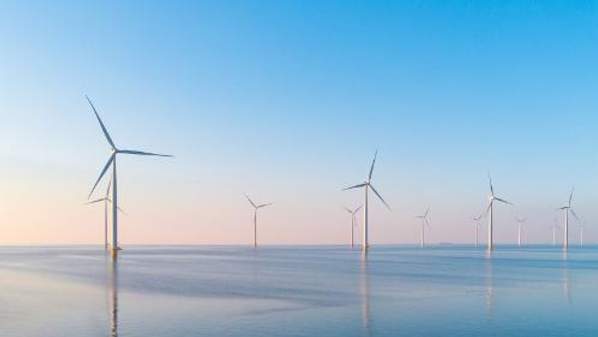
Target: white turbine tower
point(112, 161)
point(367, 185)
point(520, 222)
point(581, 235)
point(489, 211)
point(567, 208)
point(353, 212)
point(106, 200)
point(477, 229)
point(255, 208)
point(425, 222)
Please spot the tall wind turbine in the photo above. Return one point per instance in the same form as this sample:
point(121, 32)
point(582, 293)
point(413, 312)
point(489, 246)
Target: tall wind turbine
point(425, 222)
point(106, 200)
point(489, 211)
point(255, 208)
point(353, 212)
point(112, 161)
point(367, 185)
point(520, 222)
point(567, 208)
point(477, 229)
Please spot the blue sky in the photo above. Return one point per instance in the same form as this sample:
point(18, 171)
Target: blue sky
point(288, 101)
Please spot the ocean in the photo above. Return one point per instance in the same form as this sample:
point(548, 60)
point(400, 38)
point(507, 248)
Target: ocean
point(176, 291)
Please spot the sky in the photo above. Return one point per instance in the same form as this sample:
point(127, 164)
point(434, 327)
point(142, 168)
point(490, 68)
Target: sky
point(287, 101)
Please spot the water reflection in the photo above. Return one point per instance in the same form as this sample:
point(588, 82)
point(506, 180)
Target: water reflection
point(113, 297)
point(490, 295)
point(364, 290)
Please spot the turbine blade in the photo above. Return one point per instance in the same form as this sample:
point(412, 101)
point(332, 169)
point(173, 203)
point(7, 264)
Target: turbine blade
point(574, 214)
point(121, 210)
point(101, 175)
point(372, 167)
point(264, 205)
point(490, 183)
point(379, 196)
point(141, 153)
point(355, 186)
point(101, 123)
point(109, 187)
point(503, 201)
point(488, 208)
point(571, 196)
point(357, 209)
point(250, 201)
point(347, 209)
point(427, 212)
point(95, 201)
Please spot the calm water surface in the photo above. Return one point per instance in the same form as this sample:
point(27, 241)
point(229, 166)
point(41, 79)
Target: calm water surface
point(298, 291)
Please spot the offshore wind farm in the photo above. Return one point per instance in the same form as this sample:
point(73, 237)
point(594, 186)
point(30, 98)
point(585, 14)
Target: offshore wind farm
point(473, 120)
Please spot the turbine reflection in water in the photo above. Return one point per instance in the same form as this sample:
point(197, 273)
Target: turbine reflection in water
point(364, 285)
point(490, 295)
point(113, 287)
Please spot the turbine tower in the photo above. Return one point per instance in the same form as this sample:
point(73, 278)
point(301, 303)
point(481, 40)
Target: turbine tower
point(567, 209)
point(425, 222)
point(112, 162)
point(520, 222)
point(489, 211)
point(353, 212)
point(106, 200)
point(581, 235)
point(367, 185)
point(255, 208)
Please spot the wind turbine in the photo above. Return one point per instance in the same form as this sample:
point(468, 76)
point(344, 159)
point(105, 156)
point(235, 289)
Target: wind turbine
point(567, 208)
point(112, 161)
point(255, 208)
point(425, 222)
point(555, 226)
point(353, 222)
point(106, 200)
point(477, 229)
point(520, 222)
point(367, 185)
point(489, 211)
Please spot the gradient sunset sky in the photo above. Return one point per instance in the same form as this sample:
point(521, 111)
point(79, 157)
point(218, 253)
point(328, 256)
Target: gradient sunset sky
point(287, 101)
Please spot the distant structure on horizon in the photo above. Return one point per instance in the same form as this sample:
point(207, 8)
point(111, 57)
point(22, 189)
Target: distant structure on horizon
point(353, 212)
point(489, 212)
point(568, 209)
point(255, 208)
point(425, 222)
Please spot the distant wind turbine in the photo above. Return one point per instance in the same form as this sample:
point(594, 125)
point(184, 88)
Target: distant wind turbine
point(425, 222)
point(489, 211)
point(477, 229)
point(367, 185)
point(255, 208)
point(567, 209)
point(106, 200)
point(520, 222)
point(555, 226)
point(353, 212)
point(112, 161)
point(581, 235)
